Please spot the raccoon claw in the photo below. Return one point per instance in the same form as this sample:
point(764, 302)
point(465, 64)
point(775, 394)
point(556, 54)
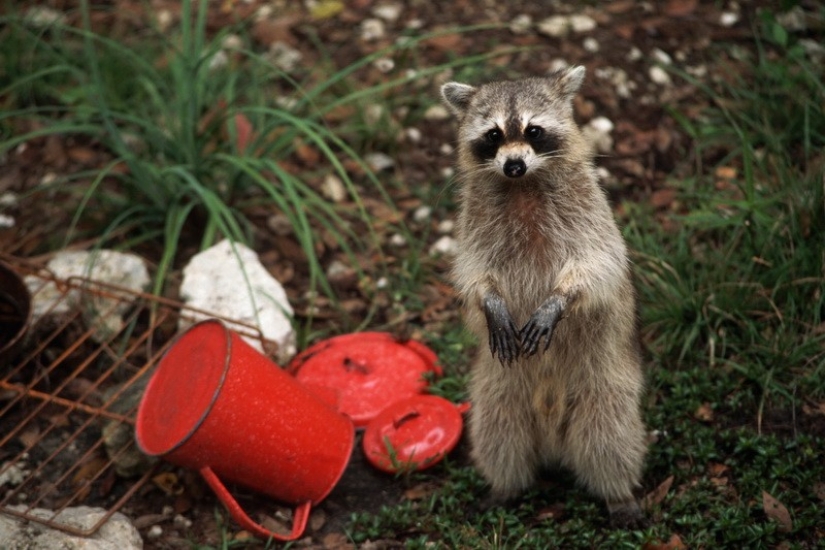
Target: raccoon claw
point(503, 335)
point(541, 325)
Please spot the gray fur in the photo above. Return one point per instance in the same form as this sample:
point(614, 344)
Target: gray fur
point(549, 235)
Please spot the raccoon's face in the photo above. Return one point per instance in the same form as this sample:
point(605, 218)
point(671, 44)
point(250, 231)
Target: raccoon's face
point(515, 128)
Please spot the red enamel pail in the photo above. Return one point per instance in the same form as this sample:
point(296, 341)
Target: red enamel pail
point(216, 405)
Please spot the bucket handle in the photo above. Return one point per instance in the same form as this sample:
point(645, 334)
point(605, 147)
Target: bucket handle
point(299, 517)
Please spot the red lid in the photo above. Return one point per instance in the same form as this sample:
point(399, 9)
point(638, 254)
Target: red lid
point(363, 373)
point(413, 434)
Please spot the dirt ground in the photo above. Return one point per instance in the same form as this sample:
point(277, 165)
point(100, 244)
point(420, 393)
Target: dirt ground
point(622, 44)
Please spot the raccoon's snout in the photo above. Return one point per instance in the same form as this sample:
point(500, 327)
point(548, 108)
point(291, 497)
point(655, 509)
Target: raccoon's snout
point(515, 168)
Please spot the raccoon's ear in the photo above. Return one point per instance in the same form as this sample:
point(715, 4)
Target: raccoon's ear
point(571, 80)
point(457, 96)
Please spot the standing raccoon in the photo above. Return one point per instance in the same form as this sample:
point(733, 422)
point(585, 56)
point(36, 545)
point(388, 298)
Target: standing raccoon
point(543, 273)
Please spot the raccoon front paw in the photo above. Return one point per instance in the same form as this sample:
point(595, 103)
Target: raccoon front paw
point(503, 334)
point(541, 326)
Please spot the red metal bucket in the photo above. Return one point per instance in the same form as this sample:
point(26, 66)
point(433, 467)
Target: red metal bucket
point(218, 406)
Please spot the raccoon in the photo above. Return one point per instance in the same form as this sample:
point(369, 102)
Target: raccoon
point(544, 277)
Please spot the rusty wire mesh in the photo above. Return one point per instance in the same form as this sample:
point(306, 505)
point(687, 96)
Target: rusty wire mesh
point(68, 398)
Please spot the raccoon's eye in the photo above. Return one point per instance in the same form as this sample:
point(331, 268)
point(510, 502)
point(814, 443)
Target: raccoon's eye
point(494, 136)
point(533, 132)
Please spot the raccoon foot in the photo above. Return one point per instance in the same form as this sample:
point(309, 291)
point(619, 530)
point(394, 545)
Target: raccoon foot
point(504, 337)
point(541, 325)
point(627, 515)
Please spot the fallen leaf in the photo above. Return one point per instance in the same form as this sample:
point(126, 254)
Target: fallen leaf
point(243, 129)
point(662, 198)
point(554, 511)
point(725, 173)
point(716, 470)
point(420, 491)
point(657, 495)
point(777, 512)
point(674, 543)
point(30, 437)
point(704, 413)
point(168, 483)
point(819, 490)
point(680, 8)
point(813, 409)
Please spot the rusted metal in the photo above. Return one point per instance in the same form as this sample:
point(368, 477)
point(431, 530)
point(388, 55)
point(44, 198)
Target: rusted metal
point(67, 383)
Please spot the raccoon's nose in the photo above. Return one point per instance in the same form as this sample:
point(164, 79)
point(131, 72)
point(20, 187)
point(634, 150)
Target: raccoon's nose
point(514, 168)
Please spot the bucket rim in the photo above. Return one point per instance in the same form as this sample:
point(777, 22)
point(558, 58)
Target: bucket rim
point(139, 421)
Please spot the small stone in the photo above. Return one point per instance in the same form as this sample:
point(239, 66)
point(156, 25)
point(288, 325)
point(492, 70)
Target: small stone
point(8, 200)
point(597, 133)
point(382, 283)
point(437, 112)
point(659, 76)
point(154, 532)
point(388, 12)
point(558, 64)
point(661, 56)
point(341, 275)
point(591, 45)
point(116, 533)
point(42, 17)
point(232, 42)
point(218, 60)
point(445, 227)
point(372, 30)
point(280, 225)
point(283, 56)
point(6, 221)
point(728, 19)
point(13, 474)
point(582, 23)
point(556, 26)
point(446, 149)
point(634, 54)
point(398, 240)
point(182, 522)
point(699, 71)
point(333, 188)
point(165, 19)
point(447, 172)
point(378, 162)
point(384, 64)
point(413, 135)
point(793, 20)
point(521, 24)
point(422, 214)
point(445, 246)
point(374, 113)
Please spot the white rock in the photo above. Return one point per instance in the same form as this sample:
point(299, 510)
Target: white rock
point(728, 19)
point(582, 23)
point(8, 199)
point(634, 54)
point(333, 188)
point(283, 56)
point(521, 24)
point(6, 221)
point(556, 26)
point(104, 315)
point(557, 64)
point(445, 246)
point(422, 214)
point(413, 135)
point(437, 112)
point(378, 162)
point(446, 149)
point(42, 17)
point(154, 532)
point(384, 64)
point(233, 284)
point(813, 49)
point(372, 29)
point(447, 172)
point(13, 474)
point(659, 76)
point(165, 19)
point(590, 44)
point(374, 113)
point(218, 60)
point(445, 227)
point(280, 225)
point(661, 56)
point(793, 20)
point(181, 522)
point(387, 12)
point(232, 42)
point(116, 534)
point(398, 240)
point(597, 133)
